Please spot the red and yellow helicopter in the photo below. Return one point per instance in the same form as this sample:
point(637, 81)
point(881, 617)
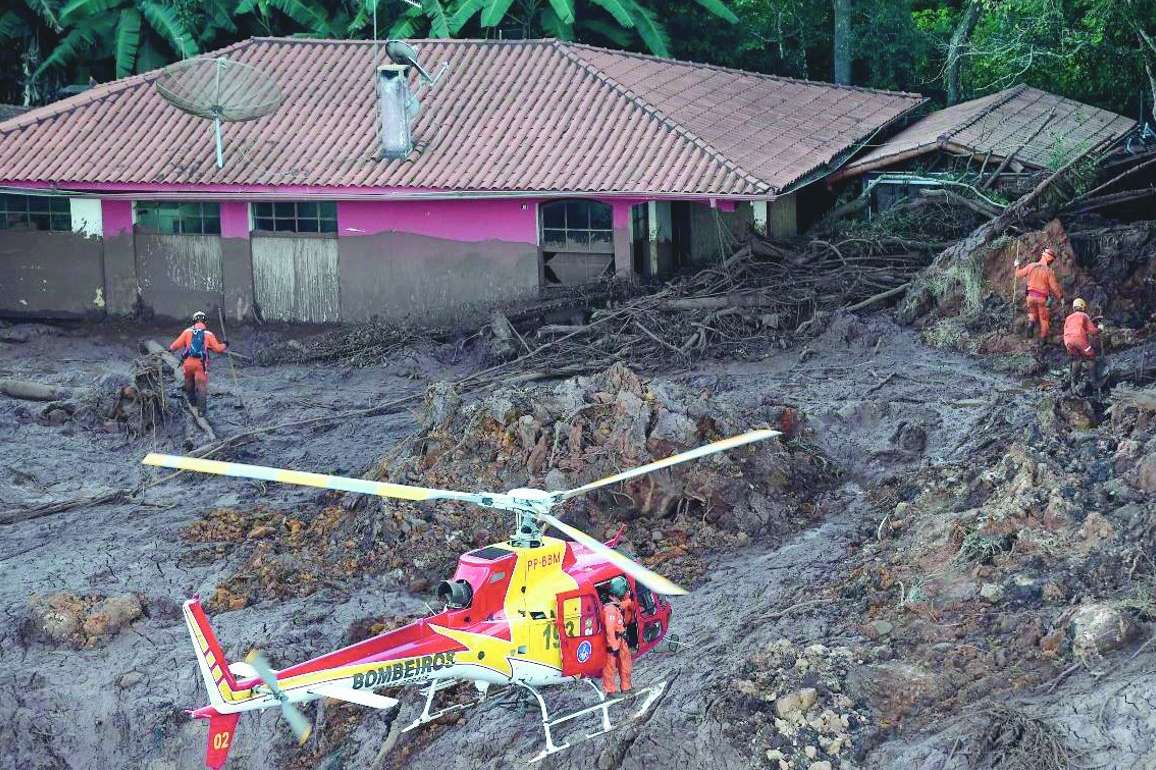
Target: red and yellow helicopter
point(524, 612)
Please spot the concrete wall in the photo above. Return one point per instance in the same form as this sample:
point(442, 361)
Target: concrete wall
point(45, 274)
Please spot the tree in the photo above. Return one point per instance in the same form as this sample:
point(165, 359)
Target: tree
point(24, 28)
point(959, 40)
point(842, 46)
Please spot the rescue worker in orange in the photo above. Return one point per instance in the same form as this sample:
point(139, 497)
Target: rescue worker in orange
point(618, 663)
point(1042, 285)
point(1082, 341)
point(195, 343)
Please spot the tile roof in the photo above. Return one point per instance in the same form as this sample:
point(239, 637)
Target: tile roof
point(11, 110)
point(508, 116)
point(1052, 127)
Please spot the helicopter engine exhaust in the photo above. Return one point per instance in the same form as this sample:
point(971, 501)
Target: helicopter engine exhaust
point(457, 594)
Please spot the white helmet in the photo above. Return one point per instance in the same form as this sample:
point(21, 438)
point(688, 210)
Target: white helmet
point(198, 316)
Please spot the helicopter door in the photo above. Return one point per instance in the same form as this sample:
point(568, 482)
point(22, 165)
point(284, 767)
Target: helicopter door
point(580, 636)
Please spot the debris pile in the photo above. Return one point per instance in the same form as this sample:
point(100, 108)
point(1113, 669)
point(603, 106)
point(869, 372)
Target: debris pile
point(1026, 562)
point(794, 708)
point(550, 437)
point(79, 621)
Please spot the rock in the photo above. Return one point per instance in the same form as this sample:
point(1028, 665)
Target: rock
point(442, 403)
point(1100, 628)
point(822, 765)
point(991, 591)
point(893, 688)
point(1146, 473)
point(556, 481)
point(56, 417)
point(811, 752)
point(775, 755)
point(56, 617)
point(1077, 413)
point(747, 687)
point(501, 409)
point(109, 616)
point(881, 628)
point(260, 531)
point(129, 679)
point(795, 704)
point(673, 430)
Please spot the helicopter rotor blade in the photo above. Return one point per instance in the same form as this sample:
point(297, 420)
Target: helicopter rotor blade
point(647, 577)
point(321, 480)
point(702, 451)
point(298, 723)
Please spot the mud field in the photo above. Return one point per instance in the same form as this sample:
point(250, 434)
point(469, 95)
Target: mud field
point(944, 567)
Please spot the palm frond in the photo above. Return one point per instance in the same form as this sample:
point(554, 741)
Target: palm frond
point(615, 34)
point(653, 34)
point(555, 27)
point(11, 26)
point(719, 8)
point(304, 13)
point(69, 48)
point(619, 10)
point(439, 25)
point(564, 9)
point(166, 24)
point(462, 13)
point(127, 41)
point(244, 7)
point(406, 24)
point(494, 11)
point(86, 9)
point(46, 10)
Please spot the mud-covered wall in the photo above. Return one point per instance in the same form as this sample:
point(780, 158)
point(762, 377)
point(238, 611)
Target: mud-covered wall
point(179, 274)
point(402, 275)
point(51, 274)
point(435, 260)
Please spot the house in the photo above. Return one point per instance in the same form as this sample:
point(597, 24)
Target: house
point(535, 163)
point(1018, 131)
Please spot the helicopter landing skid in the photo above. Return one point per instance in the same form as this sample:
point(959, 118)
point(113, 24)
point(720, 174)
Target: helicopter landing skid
point(648, 695)
point(428, 715)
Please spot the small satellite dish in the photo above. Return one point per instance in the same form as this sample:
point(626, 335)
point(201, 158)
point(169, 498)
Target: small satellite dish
point(401, 52)
point(221, 90)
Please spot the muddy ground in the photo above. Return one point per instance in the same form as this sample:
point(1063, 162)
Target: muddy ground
point(878, 403)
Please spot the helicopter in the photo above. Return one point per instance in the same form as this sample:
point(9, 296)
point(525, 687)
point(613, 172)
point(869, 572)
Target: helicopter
point(525, 612)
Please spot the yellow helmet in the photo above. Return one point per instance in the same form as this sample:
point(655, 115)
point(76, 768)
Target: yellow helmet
point(1079, 304)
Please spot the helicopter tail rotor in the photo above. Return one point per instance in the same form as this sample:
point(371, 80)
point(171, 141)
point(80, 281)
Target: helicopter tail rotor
point(300, 726)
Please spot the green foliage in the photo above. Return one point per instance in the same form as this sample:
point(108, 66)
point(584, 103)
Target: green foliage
point(1090, 50)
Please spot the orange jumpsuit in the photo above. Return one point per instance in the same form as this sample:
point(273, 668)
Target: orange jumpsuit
point(1077, 328)
point(196, 370)
point(618, 663)
point(1042, 283)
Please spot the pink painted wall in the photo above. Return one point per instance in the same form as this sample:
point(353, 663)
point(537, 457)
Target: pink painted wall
point(511, 220)
point(117, 216)
point(234, 219)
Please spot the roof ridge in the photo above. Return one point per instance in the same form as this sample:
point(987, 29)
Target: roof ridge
point(98, 92)
point(1008, 94)
point(685, 133)
point(737, 71)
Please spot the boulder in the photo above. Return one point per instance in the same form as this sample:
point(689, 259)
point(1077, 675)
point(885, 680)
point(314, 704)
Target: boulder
point(794, 704)
point(1146, 473)
point(1100, 628)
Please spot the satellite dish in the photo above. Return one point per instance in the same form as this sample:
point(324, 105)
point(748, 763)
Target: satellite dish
point(221, 90)
point(401, 52)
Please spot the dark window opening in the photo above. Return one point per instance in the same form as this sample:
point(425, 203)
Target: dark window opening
point(577, 225)
point(35, 212)
point(295, 217)
point(489, 553)
point(178, 217)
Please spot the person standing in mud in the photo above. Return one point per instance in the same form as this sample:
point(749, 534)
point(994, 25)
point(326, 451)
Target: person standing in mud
point(195, 343)
point(1083, 343)
point(1042, 287)
point(619, 663)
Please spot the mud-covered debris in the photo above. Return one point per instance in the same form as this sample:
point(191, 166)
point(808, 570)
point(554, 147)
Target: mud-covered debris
point(80, 620)
point(794, 707)
point(1100, 628)
point(1014, 739)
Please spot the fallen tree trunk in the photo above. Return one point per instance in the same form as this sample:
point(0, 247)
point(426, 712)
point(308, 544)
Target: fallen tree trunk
point(1136, 365)
point(33, 391)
